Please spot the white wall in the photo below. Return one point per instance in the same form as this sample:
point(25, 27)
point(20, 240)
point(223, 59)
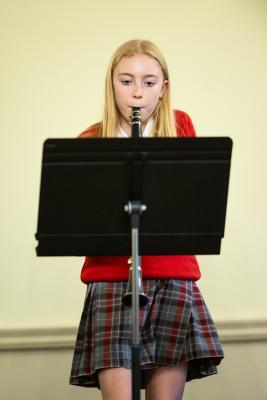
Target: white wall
point(54, 56)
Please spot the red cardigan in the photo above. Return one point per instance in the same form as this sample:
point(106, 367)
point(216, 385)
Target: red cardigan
point(116, 268)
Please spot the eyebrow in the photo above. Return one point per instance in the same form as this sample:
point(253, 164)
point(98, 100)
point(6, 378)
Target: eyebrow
point(132, 76)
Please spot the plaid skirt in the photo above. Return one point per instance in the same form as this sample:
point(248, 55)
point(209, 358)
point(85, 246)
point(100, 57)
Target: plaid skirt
point(175, 326)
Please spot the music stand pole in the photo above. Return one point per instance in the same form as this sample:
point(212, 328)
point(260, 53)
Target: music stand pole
point(134, 209)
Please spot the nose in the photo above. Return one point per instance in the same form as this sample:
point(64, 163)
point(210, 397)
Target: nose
point(137, 90)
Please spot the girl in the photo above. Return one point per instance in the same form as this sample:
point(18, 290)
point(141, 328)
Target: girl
point(179, 341)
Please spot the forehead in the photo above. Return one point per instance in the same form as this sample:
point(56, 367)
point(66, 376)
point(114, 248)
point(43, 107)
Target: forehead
point(138, 64)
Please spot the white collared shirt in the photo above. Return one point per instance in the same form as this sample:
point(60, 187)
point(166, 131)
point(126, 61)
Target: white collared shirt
point(147, 131)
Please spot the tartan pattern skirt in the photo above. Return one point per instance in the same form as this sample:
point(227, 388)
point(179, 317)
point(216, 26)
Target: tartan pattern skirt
point(175, 326)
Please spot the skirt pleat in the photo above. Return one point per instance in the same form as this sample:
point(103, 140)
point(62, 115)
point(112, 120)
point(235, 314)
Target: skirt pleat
point(175, 326)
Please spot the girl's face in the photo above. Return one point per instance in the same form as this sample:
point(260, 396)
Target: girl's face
point(138, 81)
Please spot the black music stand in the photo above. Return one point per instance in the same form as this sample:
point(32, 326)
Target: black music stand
point(87, 185)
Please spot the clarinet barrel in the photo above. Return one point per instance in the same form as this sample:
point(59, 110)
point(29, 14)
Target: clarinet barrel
point(136, 122)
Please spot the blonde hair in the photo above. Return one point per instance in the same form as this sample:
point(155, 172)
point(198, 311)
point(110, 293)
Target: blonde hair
point(164, 122)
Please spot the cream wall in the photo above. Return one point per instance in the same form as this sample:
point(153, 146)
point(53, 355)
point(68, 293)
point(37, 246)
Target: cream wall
point(54, 56)
point(43, 375)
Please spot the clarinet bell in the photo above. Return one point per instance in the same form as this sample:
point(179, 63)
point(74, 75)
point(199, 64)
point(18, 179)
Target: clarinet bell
point(127, 297)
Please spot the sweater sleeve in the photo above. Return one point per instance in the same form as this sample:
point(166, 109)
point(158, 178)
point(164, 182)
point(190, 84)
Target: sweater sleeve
point(184, 124)
point(91, 132)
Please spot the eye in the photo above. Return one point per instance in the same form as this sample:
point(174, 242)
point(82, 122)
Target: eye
point(126, 82)
point(150, 83)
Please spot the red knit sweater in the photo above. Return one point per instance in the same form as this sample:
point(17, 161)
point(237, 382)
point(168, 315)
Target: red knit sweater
point(116, 268)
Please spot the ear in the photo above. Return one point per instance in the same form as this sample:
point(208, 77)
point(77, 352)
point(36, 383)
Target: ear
point(164, 87)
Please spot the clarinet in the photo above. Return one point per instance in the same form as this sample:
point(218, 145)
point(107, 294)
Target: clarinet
point(136, 122)
point(127, 297)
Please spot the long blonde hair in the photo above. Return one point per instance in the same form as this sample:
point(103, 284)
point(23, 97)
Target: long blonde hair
point(164, 123)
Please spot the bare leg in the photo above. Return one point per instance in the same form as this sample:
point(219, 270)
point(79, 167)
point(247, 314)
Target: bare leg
point(166, 383)
point(115, 383)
